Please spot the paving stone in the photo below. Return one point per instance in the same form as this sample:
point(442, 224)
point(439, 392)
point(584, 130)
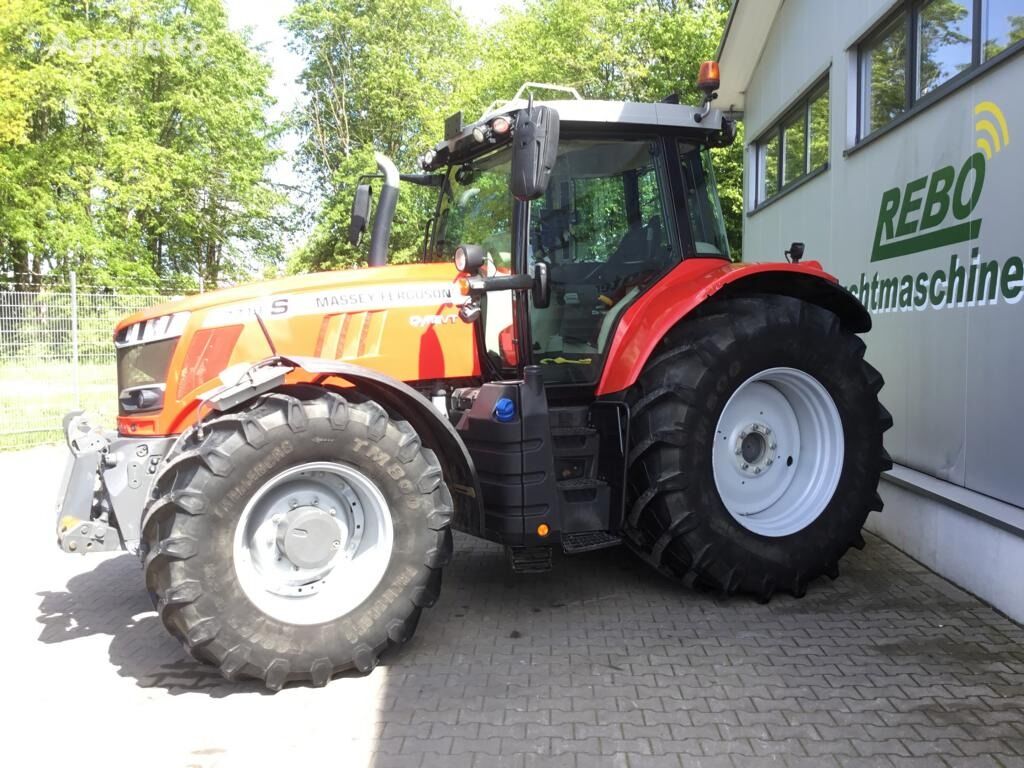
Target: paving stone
point(600, 662)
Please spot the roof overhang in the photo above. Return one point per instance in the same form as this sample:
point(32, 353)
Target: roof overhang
point(746, 33)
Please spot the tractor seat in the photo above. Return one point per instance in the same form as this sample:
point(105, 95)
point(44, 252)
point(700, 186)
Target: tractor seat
point(640, 250)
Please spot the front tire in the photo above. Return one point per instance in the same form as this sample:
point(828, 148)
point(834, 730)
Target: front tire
point(297, 538)
point(756, 447)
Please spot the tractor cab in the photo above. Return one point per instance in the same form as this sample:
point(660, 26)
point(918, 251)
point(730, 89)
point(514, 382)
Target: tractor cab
point(560, 216)
point(626, 195)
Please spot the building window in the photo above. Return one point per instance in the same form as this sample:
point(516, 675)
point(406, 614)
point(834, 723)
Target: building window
point(1002, 26)
point(925, 45)
point(883, 75)
point(943, 43)
point(795, 146)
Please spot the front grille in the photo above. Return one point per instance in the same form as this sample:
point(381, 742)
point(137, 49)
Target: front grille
point(143, 364)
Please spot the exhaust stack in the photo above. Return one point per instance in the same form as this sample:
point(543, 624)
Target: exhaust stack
point(381, 235)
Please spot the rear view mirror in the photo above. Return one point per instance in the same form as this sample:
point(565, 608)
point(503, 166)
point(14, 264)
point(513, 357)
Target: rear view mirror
point(795, 252)
point(360, 213)
point(534, 150)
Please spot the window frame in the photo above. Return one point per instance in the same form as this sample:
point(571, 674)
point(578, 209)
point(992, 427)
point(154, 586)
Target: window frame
point(707, 201)
point(800, 108)
point(910, 10)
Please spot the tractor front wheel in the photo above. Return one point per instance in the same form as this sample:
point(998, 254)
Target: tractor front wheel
point(297, 538)
point(756, 447)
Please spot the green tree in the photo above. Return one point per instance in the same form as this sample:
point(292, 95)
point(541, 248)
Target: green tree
point(380, 75)
point(133, 142)
point(640, 50)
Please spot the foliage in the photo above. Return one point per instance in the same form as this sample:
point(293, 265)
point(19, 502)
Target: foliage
point(133, 142)
point(134, 146)
point(379, 76)
point(640, 50)
point(362, 95)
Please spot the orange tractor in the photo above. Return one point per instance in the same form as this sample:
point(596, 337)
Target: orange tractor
point(576, 364)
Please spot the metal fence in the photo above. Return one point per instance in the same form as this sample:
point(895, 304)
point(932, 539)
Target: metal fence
point(57, 354)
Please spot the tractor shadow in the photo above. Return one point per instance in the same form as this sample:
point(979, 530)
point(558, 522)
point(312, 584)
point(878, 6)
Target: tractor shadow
point(591, 615)
point(111, 600)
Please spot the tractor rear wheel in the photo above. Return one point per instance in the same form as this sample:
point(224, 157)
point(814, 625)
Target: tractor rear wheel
point(297, 538)
point(755, 447)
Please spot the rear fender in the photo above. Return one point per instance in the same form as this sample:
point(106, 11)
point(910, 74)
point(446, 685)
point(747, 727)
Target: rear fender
point(399, 399)
point(697, 281)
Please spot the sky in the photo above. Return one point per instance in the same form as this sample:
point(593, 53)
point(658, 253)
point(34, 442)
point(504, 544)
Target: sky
point(263, 20)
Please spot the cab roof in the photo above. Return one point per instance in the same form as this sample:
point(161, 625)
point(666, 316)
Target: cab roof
point(578, 114)
point(634, 113)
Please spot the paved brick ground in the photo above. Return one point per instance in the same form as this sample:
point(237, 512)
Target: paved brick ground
point(599, 662)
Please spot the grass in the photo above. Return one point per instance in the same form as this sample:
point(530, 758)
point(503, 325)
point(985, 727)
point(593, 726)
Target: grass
point(35, 397)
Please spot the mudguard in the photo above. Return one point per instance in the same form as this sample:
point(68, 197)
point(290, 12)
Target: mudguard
point(436, 432)
point(696, 281)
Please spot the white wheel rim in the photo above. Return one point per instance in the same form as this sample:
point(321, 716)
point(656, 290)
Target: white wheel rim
point(313, 542)
point(778, 452)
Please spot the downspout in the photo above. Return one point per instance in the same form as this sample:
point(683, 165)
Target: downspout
point(381, 234)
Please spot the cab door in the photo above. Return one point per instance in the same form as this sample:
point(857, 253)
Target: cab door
point(606, 230)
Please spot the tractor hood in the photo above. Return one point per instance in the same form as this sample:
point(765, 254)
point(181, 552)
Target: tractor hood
point(401, 321)
point(252, 297)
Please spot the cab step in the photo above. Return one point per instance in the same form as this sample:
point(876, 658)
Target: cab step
point(587, 541)
point(529, 559)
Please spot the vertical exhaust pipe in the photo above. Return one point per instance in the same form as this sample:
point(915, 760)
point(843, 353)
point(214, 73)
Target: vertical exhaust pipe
point(381, 235)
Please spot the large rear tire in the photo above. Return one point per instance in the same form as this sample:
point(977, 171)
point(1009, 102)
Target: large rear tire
point(755, 448)
point(297, 538)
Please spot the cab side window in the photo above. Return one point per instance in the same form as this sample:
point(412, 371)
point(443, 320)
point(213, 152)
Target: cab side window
point(703, 211)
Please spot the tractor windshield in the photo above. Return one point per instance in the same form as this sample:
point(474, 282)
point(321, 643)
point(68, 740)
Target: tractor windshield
point(476, 207)
point(605, 228)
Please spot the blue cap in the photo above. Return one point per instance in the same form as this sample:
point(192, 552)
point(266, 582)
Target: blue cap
point(505, 410)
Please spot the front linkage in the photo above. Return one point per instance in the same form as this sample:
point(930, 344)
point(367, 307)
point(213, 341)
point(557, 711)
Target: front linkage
point(110, 476)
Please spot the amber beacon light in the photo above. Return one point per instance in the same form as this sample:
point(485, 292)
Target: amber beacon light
point(708, 79)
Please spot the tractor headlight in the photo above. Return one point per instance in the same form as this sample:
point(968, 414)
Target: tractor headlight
point(144, 352)
point(469, 258)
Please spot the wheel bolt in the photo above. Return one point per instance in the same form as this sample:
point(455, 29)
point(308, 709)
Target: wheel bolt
point(335, 544)
point(276, 519)
point(757, 471)
point(316, 502)
point(334, 512)
point(772, 446)
point(769, 462)
point(746, 466)
point(739, 451)
point(294, 503)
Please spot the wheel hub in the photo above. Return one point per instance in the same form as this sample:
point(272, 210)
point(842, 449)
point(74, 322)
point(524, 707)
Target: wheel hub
point(754, 450)
point(309, 536)
point(778, 451)
point(312, 542)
